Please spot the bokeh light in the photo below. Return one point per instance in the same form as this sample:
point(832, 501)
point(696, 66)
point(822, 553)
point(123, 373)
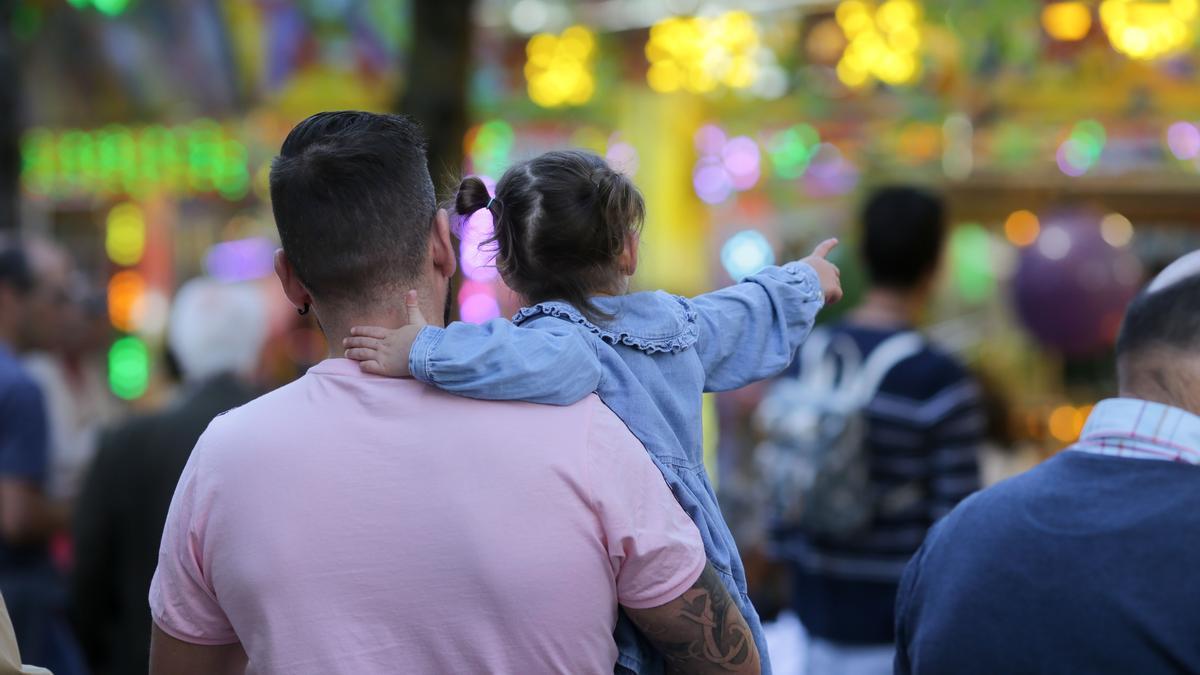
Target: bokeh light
point(1183, 139)
point(128, 368)
point(623, 158)
point(1116, 229)
point(477, 302)
point(478, 259)
point(558, 69)
point(712, 182)
point(1146, 30)
point(1066, 422)
point(830, 174)
point(971, 260)
point(1067, 21)
point(125, 291)
point(1054, 243)
point(200, 157)
point(884, 41)
point(791, 150)
point(700, 54)
point(241, 259)
point(489, 146)
point(741, 158)
point(1021, 228)
point(745, 253)
point(125, 234)
point(1082, 149)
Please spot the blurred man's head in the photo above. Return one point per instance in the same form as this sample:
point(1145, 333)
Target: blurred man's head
point(50, 299)
point(903, 232)
point(16, 285)
point(216, 328)
point(1158, 350)
point(357, 216)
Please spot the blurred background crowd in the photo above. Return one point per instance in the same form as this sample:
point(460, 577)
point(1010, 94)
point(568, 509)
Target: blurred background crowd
point(136, 138)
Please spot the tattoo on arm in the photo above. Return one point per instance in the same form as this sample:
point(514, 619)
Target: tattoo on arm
point(702, 631)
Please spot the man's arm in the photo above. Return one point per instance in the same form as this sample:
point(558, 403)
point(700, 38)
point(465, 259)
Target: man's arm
point(26, 515)
point(701, 631)
point(169, 656)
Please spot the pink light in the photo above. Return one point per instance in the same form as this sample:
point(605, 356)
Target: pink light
point(1183, 138)
point(479, 307)
point(830, 173)
point(741, 158)
point(478, 260)
point(712, 182)
point(623, 157)
point(710, 139)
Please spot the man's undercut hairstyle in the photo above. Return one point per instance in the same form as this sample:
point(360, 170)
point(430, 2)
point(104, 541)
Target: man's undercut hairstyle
point(1166, 320)
point(354, 203)
point(903, 233)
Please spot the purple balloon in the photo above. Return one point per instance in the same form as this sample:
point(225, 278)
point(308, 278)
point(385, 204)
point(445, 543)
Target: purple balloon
point(1072, 287)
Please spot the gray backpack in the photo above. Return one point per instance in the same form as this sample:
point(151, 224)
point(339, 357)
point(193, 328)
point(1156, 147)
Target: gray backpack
point(813, 459)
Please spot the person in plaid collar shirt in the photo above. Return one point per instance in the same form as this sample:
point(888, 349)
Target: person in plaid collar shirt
point(1086, 563)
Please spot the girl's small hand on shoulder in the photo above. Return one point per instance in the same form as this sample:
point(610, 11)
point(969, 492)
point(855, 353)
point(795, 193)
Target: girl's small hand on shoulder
point(385, 351)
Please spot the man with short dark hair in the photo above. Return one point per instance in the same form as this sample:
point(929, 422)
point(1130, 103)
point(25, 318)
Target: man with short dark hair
point(923, 428)
point(348, 523)
point(1085, 563)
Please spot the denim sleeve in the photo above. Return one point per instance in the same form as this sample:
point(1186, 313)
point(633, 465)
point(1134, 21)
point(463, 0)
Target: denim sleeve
point(750, 331)
point(543, 362)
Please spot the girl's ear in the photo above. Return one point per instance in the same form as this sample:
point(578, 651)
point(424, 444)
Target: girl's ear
point(628, 260)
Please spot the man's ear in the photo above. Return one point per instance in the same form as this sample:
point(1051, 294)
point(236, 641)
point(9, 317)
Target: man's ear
point(293, 288)
point(441, 248)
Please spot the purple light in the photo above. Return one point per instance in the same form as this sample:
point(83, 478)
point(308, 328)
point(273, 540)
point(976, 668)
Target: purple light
point(477, 259)
point(710, 139)
point(623, 157)
point(741, 158)
point(1067, 156)
point(479, 307)
point(241, 259)
point(712, 182)
point(1183, 138)
point(830, 174)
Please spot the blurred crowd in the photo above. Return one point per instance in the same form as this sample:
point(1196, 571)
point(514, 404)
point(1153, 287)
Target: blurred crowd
point(84, 490)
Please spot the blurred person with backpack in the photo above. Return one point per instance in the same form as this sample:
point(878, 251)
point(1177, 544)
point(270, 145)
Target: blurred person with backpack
point(869, 440)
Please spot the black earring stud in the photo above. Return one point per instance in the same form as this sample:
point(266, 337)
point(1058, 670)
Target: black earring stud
point(303, 310)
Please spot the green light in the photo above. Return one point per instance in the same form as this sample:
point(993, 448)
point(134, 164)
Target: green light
point(490, 150)
point(792, 149)
point(1088, 140)
point(970, 255)
point(110, 7)
point(128, 368)
point(79, 4)
point(37, 161)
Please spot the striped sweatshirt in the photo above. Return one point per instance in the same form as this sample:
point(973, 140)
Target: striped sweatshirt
point(924, 430)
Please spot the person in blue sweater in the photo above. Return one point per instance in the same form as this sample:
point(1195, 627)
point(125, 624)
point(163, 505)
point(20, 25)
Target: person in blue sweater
point(1084, 563)
point(566, 237)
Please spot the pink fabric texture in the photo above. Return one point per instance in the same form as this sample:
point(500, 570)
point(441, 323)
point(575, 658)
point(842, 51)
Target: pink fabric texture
point(348, 523)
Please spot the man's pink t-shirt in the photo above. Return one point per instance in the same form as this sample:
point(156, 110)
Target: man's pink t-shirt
point(347, 523)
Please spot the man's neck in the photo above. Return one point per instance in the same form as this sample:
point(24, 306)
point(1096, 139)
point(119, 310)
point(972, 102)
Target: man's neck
point(889, 308)
point(337, 328)
point(1176, 384)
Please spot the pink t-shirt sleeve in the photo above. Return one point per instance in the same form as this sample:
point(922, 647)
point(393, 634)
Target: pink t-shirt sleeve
point(182, 600)
point(654, 548)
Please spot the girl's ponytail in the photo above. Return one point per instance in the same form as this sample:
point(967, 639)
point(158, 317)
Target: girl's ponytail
point(472, 195)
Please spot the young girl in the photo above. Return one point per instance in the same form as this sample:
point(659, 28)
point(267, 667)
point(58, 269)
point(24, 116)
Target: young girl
point(566, 232)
